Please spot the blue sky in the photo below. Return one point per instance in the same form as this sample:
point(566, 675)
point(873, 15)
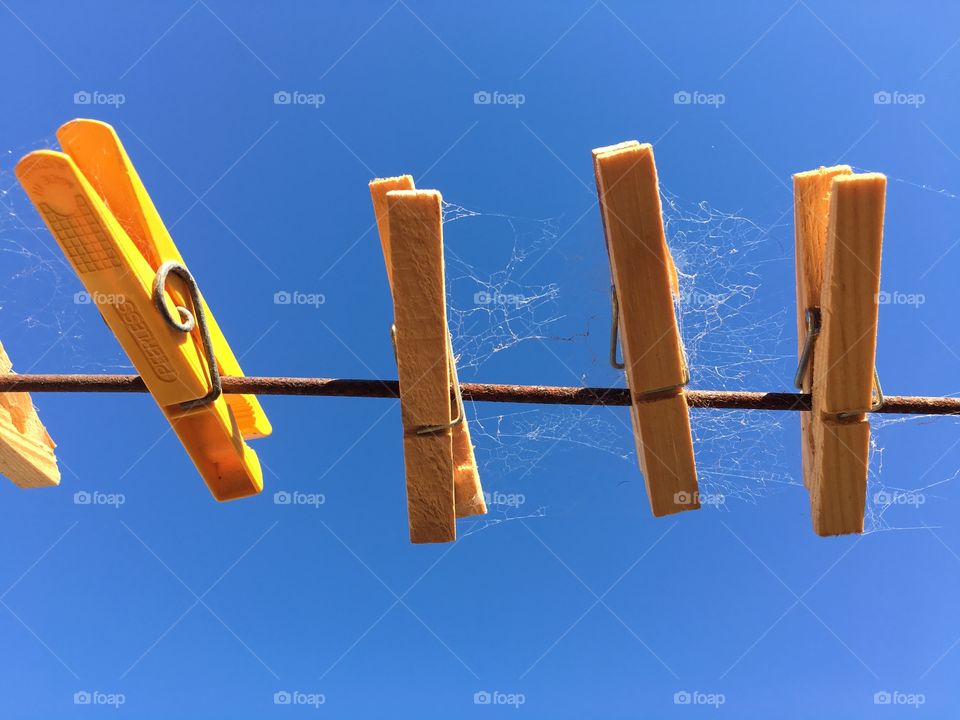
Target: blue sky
point(579, 603)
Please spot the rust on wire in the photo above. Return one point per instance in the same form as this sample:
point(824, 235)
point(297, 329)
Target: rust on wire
point(476, 392)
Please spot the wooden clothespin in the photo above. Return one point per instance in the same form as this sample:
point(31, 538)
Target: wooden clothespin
point(26, 450)
point(644, 282)
point(440, 485)
point(811, 201)
point(839, 235)
point(98, 210)
point(468, 493)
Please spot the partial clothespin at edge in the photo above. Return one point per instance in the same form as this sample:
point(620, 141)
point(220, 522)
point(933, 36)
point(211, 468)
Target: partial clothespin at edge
point(96, 207)
point(441, 471)
point(644, 283)
point(839, 237)
point(26, 450)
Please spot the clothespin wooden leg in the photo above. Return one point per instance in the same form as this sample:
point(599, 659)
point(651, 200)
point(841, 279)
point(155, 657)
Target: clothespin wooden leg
point(422, 342)
point(843, 379)
point(644, 278)
point(468, 492)
point(26, 450)
point(811, 200)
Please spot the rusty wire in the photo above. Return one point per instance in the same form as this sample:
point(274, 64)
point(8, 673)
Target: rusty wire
point(475, 392)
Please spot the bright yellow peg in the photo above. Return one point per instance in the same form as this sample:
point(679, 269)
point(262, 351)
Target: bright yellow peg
point(94, 204)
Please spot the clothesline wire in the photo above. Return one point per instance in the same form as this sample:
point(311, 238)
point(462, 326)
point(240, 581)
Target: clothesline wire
point(473, 392)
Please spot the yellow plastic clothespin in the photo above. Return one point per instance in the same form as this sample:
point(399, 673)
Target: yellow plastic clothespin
point(96, 207)
point(644, 282)
point(839, 236)
point(26, 450)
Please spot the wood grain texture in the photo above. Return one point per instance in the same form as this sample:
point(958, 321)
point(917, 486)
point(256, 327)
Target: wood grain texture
point(811, 206)
point(843, 376)
point(26, 450)
point(644, 277)
point(416, 261)
point(468, 491)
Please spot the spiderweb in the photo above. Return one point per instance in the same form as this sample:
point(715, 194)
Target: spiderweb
point(503, 311)
point(732, 343)
point(736, 337)
point(41, 298)
point(497, 305)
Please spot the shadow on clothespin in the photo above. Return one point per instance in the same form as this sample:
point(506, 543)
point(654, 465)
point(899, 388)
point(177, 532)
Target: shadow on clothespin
point(839, 236)
point(441, 470)
point(26, 450)
point(99, 212)
point(644, 283)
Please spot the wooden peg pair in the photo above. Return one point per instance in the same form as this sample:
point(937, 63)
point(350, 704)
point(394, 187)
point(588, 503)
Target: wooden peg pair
point(839, 235)
point(644, 286)
point(441, 470)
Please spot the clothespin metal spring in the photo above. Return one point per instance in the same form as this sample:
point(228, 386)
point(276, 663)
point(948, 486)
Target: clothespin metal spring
point(813, 331)
point(186, 324)
point(432, 429)
point(644, 395)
